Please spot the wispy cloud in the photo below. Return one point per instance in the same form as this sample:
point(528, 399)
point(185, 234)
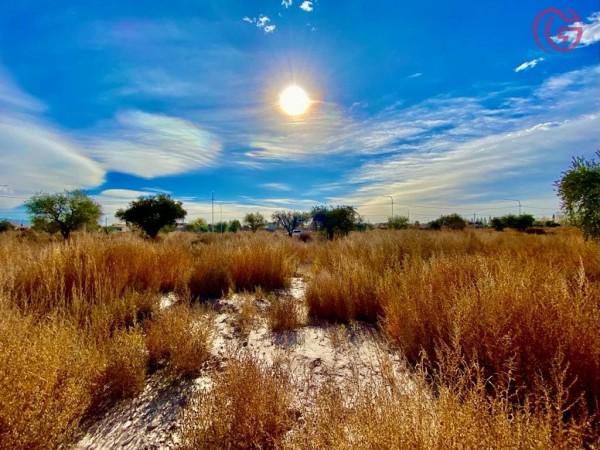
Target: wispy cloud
point(415, 75)
point(276, 186)
point(590, 31)
point(481, 148)
point(37, 155)
point(529, 64)
point(152, 145)
point(263, 22)
point(286, 3)
point(307, 6)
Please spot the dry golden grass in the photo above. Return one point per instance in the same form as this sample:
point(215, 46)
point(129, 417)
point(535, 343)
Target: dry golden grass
point(504, 299)
point(180, 338)
point(127, 360)
point(284, 314)
point(510, 323)
point(247, 407)
point(48, 378)
point(387, 412)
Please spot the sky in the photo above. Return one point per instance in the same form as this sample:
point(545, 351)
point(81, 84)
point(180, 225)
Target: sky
point(443, 106)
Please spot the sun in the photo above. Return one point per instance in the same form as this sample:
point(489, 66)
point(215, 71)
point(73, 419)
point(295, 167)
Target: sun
point(294, 100)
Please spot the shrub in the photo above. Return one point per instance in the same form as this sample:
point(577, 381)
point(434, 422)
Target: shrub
point(127, 359)
point(284, 313)
point(248, 407)
point(180, 338)
point(48, 377)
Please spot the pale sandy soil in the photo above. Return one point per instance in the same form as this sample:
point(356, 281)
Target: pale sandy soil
point(315, 353)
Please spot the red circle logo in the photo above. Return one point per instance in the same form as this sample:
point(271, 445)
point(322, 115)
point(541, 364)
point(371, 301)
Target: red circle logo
point(566, 38)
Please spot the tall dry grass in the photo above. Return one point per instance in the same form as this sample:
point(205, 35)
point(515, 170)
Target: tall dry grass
point(248, 407)
point(80, 320)
point(504, 299)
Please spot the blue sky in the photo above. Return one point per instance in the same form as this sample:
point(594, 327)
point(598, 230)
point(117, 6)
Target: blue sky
point(446, 106)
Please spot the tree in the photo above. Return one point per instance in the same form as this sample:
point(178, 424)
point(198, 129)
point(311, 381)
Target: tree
point(290, 220)
point(5, 225)
point(397, 223)
point(197, 225)
point(255, 221)
point(497, 224)
point(519, 223)
point(63, 211)
point(152, 213)
point(234, 226)
point(452, 221)
point(335, 221)
point(579, 191)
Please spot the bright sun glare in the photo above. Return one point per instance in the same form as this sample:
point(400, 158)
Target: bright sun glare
point(294, 100)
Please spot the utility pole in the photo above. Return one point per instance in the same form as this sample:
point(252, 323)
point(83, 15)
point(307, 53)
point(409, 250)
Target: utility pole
point(221, 208)
point(514, 200)
point(392, 199)
point(212, 202)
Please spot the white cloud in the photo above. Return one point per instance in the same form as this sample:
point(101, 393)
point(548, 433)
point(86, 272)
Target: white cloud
point(276, 186)
point(263, 22)
point(12, 97)
point(590, 31)
point(529, 64)
point(416, 75)
point(286, 3)
point(35, 155)
point(307, 6)
point(152, 145)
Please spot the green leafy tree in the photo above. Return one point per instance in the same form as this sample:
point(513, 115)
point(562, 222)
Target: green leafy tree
point(152, 213)
point(452, 221)
point(290, 220)
point(579, 191)
point(255, 221)
point(497, 224)
point(63, 212)
point(338, 221)
point(397, 223)
point(197, 225)
point(235, 226)
point(5, 225)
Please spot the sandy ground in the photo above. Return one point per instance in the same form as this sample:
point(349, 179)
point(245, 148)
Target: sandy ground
point(315, 352)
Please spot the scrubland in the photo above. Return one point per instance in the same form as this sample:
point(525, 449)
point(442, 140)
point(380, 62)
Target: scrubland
point(500, 333)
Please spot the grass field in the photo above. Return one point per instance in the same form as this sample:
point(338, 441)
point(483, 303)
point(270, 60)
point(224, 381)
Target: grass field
point(502, 331)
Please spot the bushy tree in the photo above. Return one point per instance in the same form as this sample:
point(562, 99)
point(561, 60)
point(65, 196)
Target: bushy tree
point(151, 213)
point(290, 220)
point(338, 221)
point(235, 226)
point(579, 192)
point(519, 223)
point(255, 221)
point(397, 223)
point(452, 221)
point(5, 225)
point(497, 224)
point(63, 212)
point(197, 225)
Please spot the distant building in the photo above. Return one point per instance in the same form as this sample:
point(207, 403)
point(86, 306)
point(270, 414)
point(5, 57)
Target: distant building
point(119, 227)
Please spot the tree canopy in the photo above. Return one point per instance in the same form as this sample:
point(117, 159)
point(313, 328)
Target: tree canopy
point(152, 213)
point(397, 223)
point(255, 221)
point(63, 212)
point(290, 220)
point(338, 221)
point(452, 221)
point(579, 191)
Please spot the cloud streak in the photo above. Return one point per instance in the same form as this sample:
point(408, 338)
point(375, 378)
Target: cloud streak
point(528, 65)
point(152, 145)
